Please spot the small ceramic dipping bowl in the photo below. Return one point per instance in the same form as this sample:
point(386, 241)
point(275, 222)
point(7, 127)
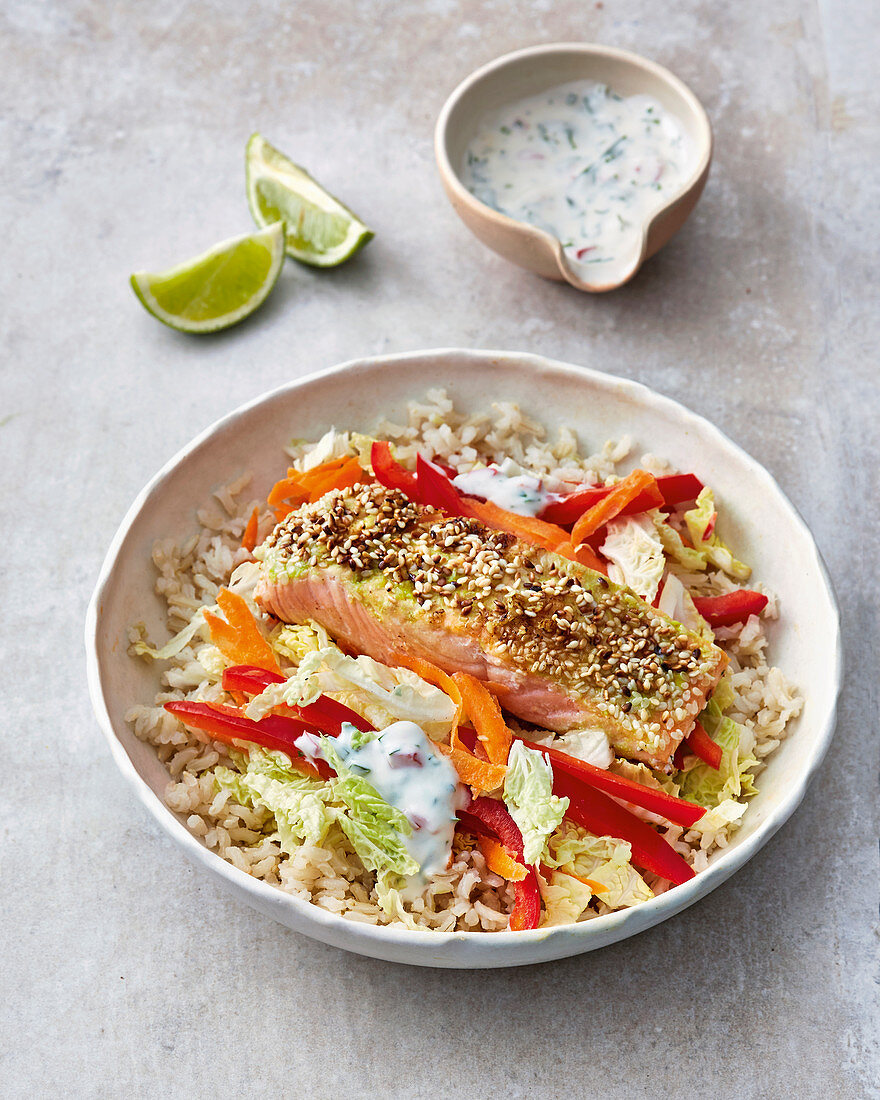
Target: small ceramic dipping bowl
point(536, 69)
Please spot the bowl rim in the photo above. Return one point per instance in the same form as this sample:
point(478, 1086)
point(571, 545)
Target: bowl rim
point(452, 180)
point(381, 940)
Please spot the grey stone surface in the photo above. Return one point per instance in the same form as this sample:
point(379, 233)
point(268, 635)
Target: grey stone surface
point(122, 129)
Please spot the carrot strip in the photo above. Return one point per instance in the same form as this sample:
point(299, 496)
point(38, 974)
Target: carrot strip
point(286, 489)
point(537, 532)
point(239, 638)
point(347, 474)
point(249, 538)
point(440, 679)
point(499, 860)
point(639, 481)
point(529, 529)
point(476, 773)
point(483, 710)
point(310, 485)
point(309, 477)
point(546, 871)
point(583, 555)
point(480, 774)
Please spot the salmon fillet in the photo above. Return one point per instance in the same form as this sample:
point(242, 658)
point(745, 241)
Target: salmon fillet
point(387, 577)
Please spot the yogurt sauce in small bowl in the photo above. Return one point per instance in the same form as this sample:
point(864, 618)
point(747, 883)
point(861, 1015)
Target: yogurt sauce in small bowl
point(573, 160)
point(584, 164)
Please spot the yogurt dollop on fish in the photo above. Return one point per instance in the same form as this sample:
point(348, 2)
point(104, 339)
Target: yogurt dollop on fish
point(507, 486)
point(582, 163)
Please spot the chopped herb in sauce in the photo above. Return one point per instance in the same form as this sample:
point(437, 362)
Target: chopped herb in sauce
point(574, 159)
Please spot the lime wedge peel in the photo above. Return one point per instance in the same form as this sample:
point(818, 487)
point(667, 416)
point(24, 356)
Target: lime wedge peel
point(320, 230)
point(217, 289)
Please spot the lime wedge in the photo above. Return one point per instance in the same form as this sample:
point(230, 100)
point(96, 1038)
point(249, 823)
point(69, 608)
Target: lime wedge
point(218, 288)
point(320, 230)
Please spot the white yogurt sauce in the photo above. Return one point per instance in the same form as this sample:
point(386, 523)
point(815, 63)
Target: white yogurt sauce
point(507, 487)
point(582, 163)
point(402, 765)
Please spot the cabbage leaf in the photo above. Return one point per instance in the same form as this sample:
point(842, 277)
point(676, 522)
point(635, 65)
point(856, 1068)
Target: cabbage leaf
point(676, 602)
point(706, 786)
point(633, 546)
point(305, 808)
point(588, 743)
point(172, 647)
point(375, 828)
point(528, 793)
point(699, 520)
point(380, 694)
point(300, 804)
point(602, 859)
point(565, 899)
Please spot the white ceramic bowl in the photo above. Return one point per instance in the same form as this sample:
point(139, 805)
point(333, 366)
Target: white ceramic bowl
point(758, 520)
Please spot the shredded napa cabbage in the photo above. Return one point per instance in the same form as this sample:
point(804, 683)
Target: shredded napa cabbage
point(565, 899)
point(709, 787)
point(724, 695)
point(380, 694)
point(390, 895)
point(727, 812)
point(675, 601)
point(635, 551)
point(296, 642)
point(334, 444)
point(588, 743)
point(706, 549)
point(699, 520)
point(694, 561)
point(300, 804)
point(305, 808)
point(528, 793)
point(602, 859)
point(180, 640)
point(375, 828)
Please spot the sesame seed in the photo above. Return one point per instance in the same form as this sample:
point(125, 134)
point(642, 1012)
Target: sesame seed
point(580, 632)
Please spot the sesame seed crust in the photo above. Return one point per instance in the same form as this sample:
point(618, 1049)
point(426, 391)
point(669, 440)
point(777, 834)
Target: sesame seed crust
point(542, 614)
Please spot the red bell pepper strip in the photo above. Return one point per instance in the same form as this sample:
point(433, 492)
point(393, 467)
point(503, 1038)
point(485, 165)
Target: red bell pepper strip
point(602, 816)
point(435, 489)
point(325, 713)
point(599, 814)
point(389, 472)
point(701, 744)
point(488, 816)
point(495, 816)
point(680, 488)
point(228, 725)
point(674, 489)
point(450, 471)
point(732, 607)
point(249, 678)
point(527, 906)
point(676, 810)
point(429, 485)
